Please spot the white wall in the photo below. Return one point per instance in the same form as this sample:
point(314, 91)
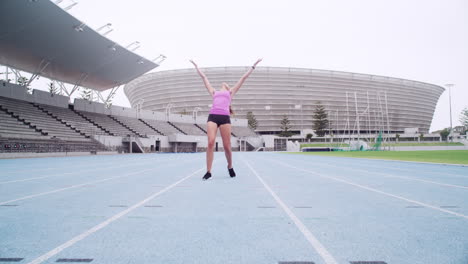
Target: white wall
point(14, 91)
point(19, 92)
point(269, 141)
point(153, 115)
point(201, 120)
point(42, 97)
point(84, 105)
point(181, 118)
point(293, 146)
point(239, 122)
point(109, 141)
point(122, 111)
point(114, 141)
point(147, 142)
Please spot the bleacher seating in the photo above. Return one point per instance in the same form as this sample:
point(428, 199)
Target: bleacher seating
point(33, 127)
point(9, 145)
point(34, 116)
point(12, 127)
point(189, 129)
point(74, 120)
point(162, 126)
point(137, 125)
point(243, 131)
point(109, 124)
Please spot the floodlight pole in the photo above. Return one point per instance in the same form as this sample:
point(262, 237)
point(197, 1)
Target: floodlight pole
point(449, 86)
point(357, 116)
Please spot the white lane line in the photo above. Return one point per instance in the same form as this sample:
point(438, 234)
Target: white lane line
point(314, 242)
point(73, 187)
point(76, 186)
point(407, 170)
point(100, 226)
point(107, 163)
point(375, 190)
point(67, 167)
point(82, 171)
point(403, 177)
point(431, 172)
point(35, 178)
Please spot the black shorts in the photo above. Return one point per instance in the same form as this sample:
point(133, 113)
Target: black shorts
point(219, 119)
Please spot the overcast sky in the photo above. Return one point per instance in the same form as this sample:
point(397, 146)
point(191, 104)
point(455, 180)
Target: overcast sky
point(422, 40)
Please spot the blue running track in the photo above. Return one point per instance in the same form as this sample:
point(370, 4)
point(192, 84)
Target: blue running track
point(281, 208)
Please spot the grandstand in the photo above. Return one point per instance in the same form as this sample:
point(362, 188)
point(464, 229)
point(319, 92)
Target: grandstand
point(142, 129)
point(109, 124)
point(162, 127)
point(189, 129)
point(42, 122)
point(14, 127)
point(73, 119)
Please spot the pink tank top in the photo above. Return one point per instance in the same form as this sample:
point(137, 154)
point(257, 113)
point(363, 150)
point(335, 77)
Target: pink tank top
point(221, 102)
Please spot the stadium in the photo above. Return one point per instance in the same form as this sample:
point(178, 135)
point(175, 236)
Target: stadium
point(35, 121)
point(83, 180)
point(354, 102)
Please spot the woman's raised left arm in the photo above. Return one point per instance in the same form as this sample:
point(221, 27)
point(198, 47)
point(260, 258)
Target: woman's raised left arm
point(243, 78)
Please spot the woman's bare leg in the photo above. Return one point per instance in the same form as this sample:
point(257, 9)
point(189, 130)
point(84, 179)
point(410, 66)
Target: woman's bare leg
point(212, 129)
point(226, 136)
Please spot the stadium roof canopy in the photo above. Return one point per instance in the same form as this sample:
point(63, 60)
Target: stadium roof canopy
point(37, 36)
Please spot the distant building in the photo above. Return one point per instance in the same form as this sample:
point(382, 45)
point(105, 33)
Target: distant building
point(353, 101)
point(460, 129)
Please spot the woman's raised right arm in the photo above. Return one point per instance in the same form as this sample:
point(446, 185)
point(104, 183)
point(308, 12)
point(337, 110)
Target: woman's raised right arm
point(204, 78)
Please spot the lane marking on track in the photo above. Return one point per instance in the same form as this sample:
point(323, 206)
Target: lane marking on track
point(121, 158)
point(35, 178)
point(81, 171)
point(314, 242)
point(402, 177)
point(407, 170)
point(373, 190)
point(100, 226)
point(72, 187)
point(75, 186)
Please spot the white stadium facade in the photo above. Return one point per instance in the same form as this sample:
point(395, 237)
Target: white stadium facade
point(354, 102)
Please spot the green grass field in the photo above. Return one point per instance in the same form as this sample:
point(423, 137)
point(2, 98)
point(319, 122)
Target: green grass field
point(436, 156)
point(424, 144)
point(320, 145)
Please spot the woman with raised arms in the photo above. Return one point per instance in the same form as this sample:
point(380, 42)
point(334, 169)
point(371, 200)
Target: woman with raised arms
point(219, 117)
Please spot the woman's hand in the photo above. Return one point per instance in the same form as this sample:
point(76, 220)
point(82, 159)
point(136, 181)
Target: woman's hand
point(194, 64)
point(257, 62)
